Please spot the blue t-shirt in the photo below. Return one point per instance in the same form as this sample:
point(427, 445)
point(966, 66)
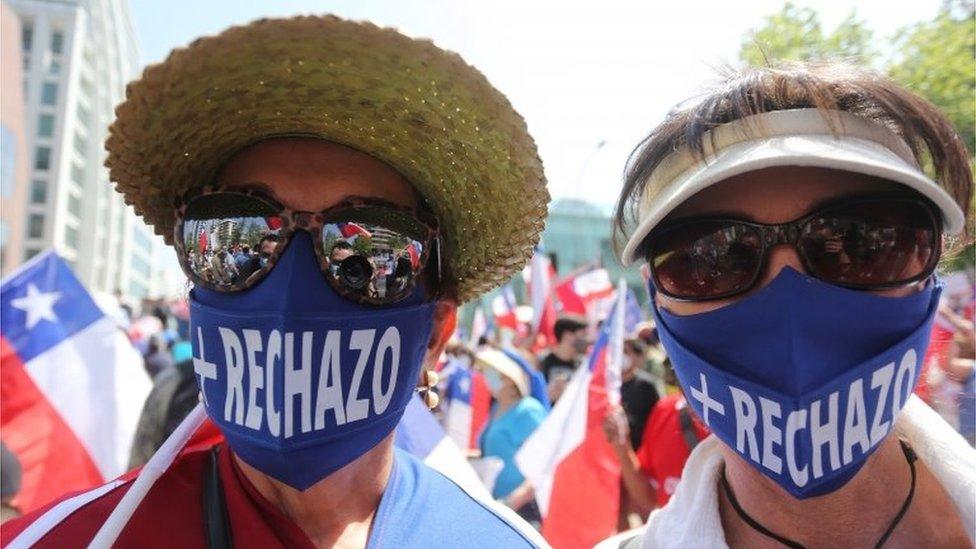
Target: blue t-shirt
point(423, 508)
point(504, 435)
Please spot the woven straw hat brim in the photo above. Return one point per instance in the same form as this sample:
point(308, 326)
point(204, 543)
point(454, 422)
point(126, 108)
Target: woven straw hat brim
point(420, 109)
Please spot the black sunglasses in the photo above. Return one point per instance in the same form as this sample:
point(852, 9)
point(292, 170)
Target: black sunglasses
point(868, 243)
point(370, 251)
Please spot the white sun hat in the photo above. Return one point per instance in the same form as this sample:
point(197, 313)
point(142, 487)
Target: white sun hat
point(800, 137)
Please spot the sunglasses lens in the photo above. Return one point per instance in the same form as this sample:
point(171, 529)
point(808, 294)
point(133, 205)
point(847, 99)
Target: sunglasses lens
point(706, 259)
point(374, 254)
point(228, 237)
point(871, 244)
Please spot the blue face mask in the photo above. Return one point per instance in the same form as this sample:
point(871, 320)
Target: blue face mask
point(300, 380)
point(803, 379)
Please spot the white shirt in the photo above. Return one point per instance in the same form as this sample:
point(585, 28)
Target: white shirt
point(691, 518)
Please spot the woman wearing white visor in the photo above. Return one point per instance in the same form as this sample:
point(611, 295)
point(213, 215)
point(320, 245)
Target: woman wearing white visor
point(791, 240)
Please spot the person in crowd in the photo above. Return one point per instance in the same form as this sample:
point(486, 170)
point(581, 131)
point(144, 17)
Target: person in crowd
point(10, 472)
point(304, 376)
point(231, 273)
point(514, 416)
point(959, 367)
point(340, 250)
point(650, 472)
point(241, 257)
point(564, 357)
point(638, 393)
point(801, 363)
point(158, 356)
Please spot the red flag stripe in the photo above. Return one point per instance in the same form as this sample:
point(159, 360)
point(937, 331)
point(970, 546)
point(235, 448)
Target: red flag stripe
point(53, 459)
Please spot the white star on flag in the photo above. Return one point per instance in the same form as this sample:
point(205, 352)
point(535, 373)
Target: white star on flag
point(38, 305)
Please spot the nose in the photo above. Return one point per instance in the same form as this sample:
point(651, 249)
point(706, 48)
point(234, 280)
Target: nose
point(781, 255)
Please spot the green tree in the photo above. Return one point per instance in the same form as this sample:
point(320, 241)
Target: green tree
point(937, 60)
point(795, 33)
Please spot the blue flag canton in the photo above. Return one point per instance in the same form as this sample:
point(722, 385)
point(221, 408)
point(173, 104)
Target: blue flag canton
point(42, 305)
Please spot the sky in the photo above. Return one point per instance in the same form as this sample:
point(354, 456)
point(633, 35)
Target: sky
point(581, 73)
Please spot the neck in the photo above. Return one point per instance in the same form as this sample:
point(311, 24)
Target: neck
point(506, 400)
point(564, 351)
point(855, 515)
point(337, 511)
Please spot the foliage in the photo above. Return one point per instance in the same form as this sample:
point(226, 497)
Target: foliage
point(936, 60)
point(796, 34)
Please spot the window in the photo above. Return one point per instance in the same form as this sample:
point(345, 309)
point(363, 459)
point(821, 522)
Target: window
point(45, 125)
point(81, 144)
point(57, 42)
point(30, 252)
point(71, 237)
point(55, 67)
point(26, 36)
point(38, 194)
point(8, 157)
point(74, 205)
point(26, 65)
point(35, 226)
point(137, 290)
point(42, 158)
point(84, 116)
point(78, 174)
point(141, 266)
point(141, 239)
point(49, 94)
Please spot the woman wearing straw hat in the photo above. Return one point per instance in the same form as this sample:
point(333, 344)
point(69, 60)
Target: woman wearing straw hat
point(791, 239)
point(514, 416)
point(314, 130)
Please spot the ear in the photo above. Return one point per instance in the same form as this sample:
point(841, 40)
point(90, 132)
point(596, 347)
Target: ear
point(445, 322)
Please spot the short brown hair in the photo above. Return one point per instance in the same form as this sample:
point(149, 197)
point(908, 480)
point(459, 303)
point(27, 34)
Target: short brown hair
point(827, 86)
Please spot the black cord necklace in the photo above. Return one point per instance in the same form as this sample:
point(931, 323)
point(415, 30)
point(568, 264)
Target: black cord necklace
point(909, 456)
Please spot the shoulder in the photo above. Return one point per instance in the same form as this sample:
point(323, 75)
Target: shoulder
point(74, 519)
point(440, 512)
point(71, 520)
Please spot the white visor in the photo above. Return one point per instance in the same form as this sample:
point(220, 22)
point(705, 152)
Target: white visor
point(802, 137)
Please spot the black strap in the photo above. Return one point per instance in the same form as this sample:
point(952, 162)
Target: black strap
point(215, 521)
point(910, 456)
point(687, 427)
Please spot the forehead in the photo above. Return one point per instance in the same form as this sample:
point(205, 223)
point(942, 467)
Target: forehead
point(313, 174)
point(777, 195)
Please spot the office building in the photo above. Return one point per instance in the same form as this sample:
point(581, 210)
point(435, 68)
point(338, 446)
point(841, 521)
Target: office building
point(77, 56)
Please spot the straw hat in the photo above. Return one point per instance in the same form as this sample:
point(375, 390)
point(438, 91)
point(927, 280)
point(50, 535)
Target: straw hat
point(497, 360)
point(420, 109)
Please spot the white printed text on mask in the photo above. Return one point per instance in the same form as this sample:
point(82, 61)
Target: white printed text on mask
point(251, 365)
point(835, 432)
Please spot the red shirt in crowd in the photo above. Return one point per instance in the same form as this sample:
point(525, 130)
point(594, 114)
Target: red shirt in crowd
point(664, 450)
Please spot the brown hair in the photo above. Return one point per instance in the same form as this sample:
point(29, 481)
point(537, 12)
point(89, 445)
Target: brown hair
point(828, 86)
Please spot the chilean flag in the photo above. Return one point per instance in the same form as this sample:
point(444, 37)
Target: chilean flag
point(350, 229)
point(538, 276)
point(480, 327)
point(578, 292)
point(467, 402)
point(568, 460)
point(503, 308)
point(72, 386)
